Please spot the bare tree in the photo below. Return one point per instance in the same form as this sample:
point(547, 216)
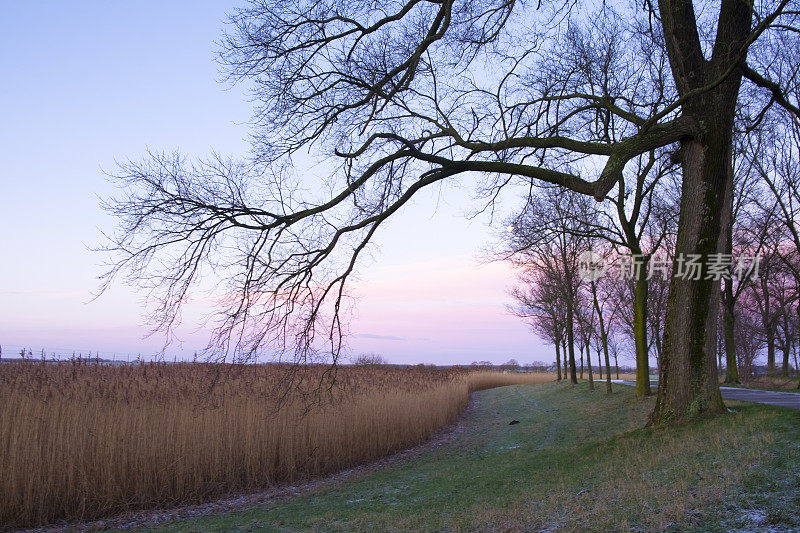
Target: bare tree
point(613, 347)
point(784, 296)
point(749, 341)
point(585, 316)
point(545, 244)
point(774, 155)
point(539, 302)
point(639, 221)
point(739, 242)
point(399, 96)
point(606, 306)
point(762, 290)
point(369, 359)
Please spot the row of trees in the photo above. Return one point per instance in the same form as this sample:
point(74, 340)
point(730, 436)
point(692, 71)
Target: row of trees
point(633, 237)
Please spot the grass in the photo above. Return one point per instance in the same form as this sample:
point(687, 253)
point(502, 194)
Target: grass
point(576, 461)
point(82, 441)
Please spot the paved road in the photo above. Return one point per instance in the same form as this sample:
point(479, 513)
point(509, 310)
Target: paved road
point(784, 399)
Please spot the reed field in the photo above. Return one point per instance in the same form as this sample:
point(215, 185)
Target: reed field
point(83, 441)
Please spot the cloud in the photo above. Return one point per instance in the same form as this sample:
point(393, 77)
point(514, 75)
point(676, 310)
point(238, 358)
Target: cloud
point(378, 337)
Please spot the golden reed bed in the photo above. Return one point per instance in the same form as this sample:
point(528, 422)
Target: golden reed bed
point(82, 441)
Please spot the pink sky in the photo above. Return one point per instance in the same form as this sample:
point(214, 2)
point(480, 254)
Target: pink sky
point(444, 310)
point(423, 298)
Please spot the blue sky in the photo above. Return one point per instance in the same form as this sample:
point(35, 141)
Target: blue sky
point(86, 84)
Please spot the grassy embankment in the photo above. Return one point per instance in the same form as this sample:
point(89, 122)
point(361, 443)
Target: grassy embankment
point(775, 383)
point(82, 441)
point(576, 461)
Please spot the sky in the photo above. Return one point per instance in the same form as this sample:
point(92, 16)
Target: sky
point(89, 84)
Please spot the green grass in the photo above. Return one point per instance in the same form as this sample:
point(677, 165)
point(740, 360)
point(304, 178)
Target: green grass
point(576, 461)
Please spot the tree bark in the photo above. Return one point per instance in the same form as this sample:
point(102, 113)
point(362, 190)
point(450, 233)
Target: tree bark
point(729, 324)
point(608, 365)
point(770, 331)
point(640, 332)
point(785, 366)
point(589, 364)
point(599, 364)
point(688, 386)
point(657, 343)
point(603, 339)
point(571, 344)
point(558, 358)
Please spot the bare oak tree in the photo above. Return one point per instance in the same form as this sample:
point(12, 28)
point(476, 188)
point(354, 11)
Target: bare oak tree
point(392, 97)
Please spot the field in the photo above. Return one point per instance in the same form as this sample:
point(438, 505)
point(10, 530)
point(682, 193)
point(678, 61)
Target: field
point(83, 441)
point(577, 461)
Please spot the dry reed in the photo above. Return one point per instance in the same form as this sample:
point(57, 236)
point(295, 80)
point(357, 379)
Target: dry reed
point(85, 441)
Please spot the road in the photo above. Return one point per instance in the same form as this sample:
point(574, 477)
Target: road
point(784, 399)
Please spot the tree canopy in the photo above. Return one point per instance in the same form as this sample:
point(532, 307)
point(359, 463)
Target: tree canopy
point(392, 97)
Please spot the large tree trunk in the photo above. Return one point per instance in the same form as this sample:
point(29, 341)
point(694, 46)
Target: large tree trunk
point(688, 386)
point(640, 333)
